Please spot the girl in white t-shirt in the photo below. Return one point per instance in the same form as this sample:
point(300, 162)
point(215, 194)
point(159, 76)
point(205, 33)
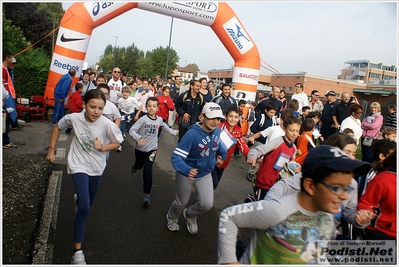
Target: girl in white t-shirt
point(94, 136)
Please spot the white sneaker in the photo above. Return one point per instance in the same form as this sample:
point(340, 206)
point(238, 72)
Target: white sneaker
point(119, 149)
point(173, 224)
point(78, 258)
point(192, 225)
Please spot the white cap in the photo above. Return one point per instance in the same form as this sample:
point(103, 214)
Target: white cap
point(13, 61)
point(212, 110)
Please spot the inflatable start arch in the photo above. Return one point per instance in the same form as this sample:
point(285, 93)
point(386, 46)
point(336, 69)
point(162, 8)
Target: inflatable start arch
point(81, 18)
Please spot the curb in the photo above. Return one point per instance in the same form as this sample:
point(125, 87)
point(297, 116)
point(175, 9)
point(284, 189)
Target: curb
point(43, 249)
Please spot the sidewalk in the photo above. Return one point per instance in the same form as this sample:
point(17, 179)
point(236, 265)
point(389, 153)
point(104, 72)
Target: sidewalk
point(25, 175)
point(33, 138)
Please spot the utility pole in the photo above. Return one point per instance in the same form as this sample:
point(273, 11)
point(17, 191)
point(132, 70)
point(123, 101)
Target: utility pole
point(116, 41)
point(167, 59)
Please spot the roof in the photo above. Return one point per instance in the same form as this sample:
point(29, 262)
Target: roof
point(375, 91)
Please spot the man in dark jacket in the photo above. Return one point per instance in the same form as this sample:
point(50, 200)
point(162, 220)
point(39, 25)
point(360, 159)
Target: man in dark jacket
point(274, 97)
point(189, 106)
point(342, 112)
point(327, 123)
point(225, 100)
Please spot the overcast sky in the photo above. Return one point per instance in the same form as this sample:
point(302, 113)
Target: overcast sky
point(315, 37)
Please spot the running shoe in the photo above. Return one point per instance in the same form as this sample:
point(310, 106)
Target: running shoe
point(250, 177)
point(133, 169)
point(192, 225)
point(173, 224)
point(78, 258)
point(10, 145)
point(146, 199)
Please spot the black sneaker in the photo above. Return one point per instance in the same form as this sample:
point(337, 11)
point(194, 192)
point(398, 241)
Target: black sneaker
point(134, 168)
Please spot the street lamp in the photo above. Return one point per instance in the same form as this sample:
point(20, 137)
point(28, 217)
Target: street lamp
point(116, 41)
point(167, 59)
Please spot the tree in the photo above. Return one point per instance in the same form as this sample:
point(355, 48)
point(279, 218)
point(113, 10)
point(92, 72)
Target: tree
point(159, 57)
point(34, 20)
point(194, 68)
point(31, 70)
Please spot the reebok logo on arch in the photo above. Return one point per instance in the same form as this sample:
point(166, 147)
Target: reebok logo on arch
point(238, 35)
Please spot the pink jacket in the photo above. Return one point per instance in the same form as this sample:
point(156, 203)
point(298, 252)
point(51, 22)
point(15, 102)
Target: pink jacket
point(372, 129)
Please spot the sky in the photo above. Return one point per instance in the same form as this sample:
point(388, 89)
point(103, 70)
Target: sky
point(313, 37)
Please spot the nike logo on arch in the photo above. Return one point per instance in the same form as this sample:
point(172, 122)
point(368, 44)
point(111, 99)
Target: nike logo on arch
point(64, 39)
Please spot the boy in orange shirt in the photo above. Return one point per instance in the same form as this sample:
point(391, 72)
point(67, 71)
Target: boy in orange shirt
point(305, 140)
point(75, 105)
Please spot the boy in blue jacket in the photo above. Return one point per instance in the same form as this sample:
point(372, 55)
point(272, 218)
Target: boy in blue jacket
point(194, 158)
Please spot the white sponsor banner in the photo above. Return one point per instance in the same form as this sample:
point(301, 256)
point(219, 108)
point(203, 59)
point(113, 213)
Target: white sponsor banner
point(203, 13)
point(61, 64)
point(73, 40)
point(238, 35)
point(97, 10)
point(246, 75)
point(244, 95)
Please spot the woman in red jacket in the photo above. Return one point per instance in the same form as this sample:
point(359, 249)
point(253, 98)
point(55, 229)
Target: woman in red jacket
point(232, 132)
point(165, 105)
point(380, 197)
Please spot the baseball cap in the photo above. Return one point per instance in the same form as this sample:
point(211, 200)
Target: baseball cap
point(212, 110)
point(333, 158)
point(330, 93)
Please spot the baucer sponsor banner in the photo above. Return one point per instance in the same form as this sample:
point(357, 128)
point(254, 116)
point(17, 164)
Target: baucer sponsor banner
point(199, 12)
point(246, 75)
point(73, 40)
point(239, 36)
point(344, 252)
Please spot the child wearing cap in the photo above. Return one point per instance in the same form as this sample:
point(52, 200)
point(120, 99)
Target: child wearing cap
point(285, 229)
point(194, 158)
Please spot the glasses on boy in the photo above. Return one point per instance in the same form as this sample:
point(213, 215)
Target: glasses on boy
point(339, 191)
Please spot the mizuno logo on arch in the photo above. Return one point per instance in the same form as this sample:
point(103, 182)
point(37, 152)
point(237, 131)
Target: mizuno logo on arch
point(66, 39)
point(238, 35)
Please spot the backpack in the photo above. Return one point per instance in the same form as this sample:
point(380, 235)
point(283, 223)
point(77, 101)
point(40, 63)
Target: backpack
point(262, 120)
point(186, 94)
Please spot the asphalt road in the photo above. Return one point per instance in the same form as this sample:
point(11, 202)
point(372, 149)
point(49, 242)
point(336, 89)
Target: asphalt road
point(120, 230)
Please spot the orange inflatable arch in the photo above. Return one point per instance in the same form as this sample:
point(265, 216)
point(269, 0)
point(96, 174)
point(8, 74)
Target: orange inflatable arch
point(81, 19)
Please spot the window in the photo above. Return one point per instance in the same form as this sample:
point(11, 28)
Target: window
point(387, 77)
point(283, 88)
point(375, 75)
point(290, 88)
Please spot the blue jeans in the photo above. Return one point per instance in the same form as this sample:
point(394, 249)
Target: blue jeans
point(127, 123)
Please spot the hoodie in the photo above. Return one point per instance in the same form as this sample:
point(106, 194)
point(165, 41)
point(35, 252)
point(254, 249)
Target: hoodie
point(198, 149)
